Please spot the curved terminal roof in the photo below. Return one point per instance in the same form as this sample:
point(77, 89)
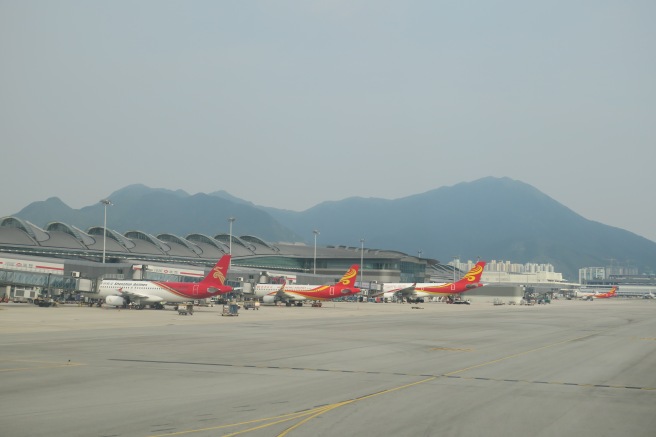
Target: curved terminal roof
point(170, 238)
point(120, 239)
point(139, 235)
point(30, 229)
point(225, 238)
point(61, 240)
point(81, 236)
point(259, 242)
point(209, 246)
point(201, 238)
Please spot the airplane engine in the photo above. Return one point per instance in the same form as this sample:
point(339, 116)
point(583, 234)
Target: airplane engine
point(268, 299)
point(116, 301)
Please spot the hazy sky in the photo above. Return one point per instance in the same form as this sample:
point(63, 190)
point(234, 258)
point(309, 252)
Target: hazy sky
point(291, 103)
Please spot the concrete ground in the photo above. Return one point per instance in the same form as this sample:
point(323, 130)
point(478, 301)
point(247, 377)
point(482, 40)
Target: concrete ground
point(569, 368)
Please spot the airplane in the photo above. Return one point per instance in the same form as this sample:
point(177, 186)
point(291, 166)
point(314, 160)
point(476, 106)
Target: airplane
point(157, 293)
point(417, 292)
point(583, 295)
point(597, 295)
point(612, 292)
point(294, 294)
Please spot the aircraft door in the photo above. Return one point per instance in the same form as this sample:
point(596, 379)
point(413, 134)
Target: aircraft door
point(195, 290)
point(332, 291)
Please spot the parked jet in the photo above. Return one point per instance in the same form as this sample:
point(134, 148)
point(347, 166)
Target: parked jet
point(612, 292)
point(294, 294)
point(141, 293)
point(596, 294)
point(417, 292)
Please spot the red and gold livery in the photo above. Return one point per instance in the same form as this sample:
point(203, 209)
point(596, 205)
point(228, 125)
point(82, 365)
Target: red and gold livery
point(156, 293)
point(294, 294)
point(610, 293)
point(417, 292)
point(596, 294)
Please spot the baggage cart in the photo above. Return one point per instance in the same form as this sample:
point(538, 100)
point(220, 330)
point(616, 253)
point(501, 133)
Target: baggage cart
point(186, 310)
point(231, 309)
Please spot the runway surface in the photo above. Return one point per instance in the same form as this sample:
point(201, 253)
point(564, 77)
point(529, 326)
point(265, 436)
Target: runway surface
point(569, 368)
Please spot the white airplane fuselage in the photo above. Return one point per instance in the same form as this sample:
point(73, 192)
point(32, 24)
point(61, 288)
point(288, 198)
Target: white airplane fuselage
point(147, 292)
point(294, 291)
point(122, 292)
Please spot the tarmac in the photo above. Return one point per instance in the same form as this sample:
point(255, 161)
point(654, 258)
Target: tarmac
point(569, 368)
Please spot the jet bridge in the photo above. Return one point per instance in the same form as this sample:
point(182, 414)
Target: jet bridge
point(154, 272)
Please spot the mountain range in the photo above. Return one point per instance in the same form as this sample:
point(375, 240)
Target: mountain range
point(491, 218)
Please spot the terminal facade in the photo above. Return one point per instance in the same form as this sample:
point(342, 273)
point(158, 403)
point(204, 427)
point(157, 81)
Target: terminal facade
point(62, 258)
point(65, 258)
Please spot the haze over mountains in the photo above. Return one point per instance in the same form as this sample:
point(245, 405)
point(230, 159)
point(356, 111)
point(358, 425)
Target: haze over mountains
point(490, 218)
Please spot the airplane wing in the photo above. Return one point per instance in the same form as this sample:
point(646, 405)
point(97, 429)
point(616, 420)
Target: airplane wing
point(285, 296)
point(281, 295)
point(213, 290)
point(406, 292)
point(132, 294)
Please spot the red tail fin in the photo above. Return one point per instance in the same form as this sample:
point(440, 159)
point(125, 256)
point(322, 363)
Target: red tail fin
point(609, 293)
point(348, 279)
point(219, 273)
point(473, 277)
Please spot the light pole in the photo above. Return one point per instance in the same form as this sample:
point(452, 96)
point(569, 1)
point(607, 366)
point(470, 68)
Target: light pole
point(314, 263)
point(105, 203)
point(361, 261)
point(231, 220)
point(454, 268)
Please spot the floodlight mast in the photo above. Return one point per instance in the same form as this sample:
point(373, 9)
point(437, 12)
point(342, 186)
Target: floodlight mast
point(231, 220)
point(314, 262)
point(361, 262)
point(106, 203)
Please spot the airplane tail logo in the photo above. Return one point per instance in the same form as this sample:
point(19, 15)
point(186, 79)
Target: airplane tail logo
point(219, 272)
point(610, 293)
point(348, 280)
point(474, 275)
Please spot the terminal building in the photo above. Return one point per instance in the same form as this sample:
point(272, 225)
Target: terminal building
point(65, 258)
point(627, 279)
point(61, 258)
